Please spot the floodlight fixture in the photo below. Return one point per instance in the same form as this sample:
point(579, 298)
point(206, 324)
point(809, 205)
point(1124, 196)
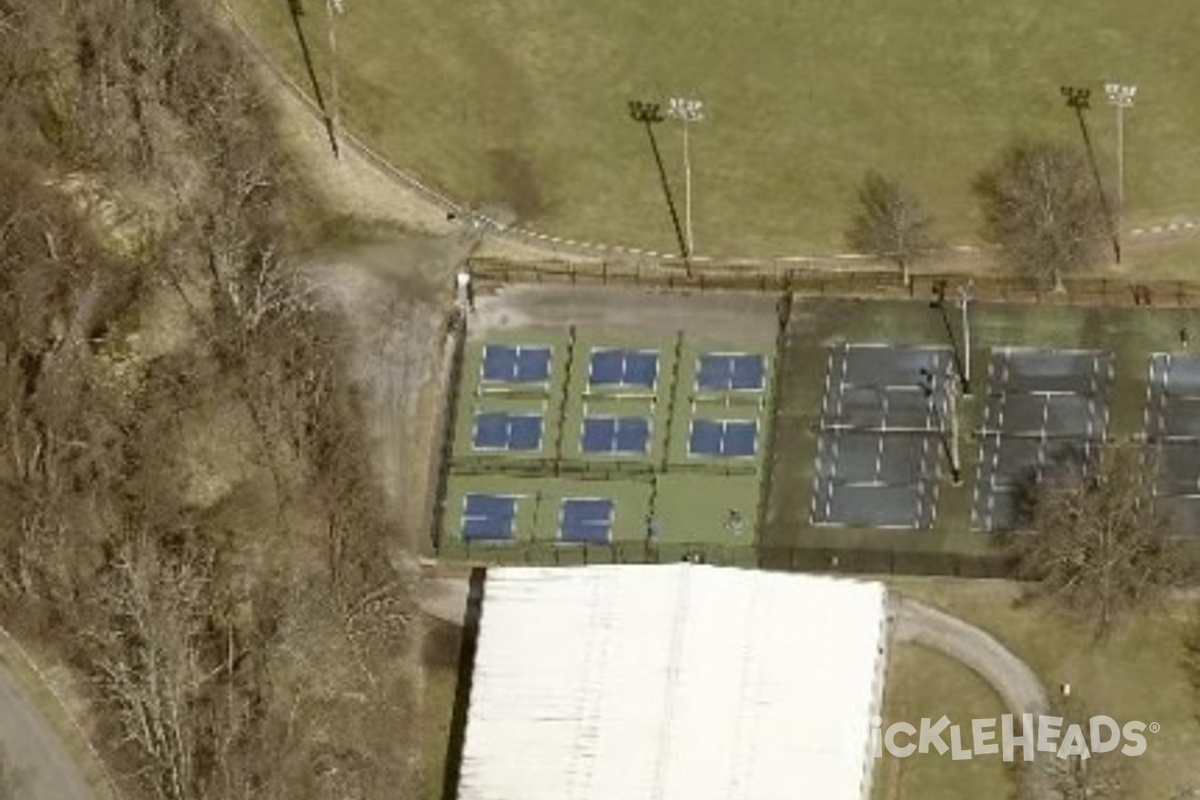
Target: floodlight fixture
point(1119, 94)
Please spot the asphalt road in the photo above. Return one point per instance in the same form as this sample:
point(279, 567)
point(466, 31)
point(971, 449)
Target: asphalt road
point(33, 748)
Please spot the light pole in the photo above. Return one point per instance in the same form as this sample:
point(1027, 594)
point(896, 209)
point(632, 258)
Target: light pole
point(650, 114)
point(939, 303)
point(687, 110)
point(949, 446)
point(1079, 100)
point(964, 297)
point(1121, 96)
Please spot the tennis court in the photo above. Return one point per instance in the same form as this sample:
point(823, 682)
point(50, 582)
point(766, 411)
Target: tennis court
point(723, 438)
point(616, 435)
point(504, 363)
point(1173, 430)
point(488, 517)
point(597, 438)
point(623, 368)
point(586, 520)
point(1045, 409)
point(731, 372)
point(882, 431)
point(502, 430)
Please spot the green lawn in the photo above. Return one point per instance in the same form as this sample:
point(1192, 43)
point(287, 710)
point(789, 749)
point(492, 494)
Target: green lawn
point(440, 659)
point(1134, 674)
point(924, 684)
point(1130, 333)
point(525, 102)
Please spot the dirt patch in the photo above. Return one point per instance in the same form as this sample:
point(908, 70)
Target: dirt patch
point(443, 642)
point(395, 295)
point(517, 183)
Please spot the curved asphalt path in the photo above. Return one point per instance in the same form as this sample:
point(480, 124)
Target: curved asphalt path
point(32, 748)
point(1011, 678)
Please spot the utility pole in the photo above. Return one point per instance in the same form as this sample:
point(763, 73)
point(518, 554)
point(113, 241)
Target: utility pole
point(1079, 100)
point(1120, 96)
point(650, 114)
point(687, 110)
point(964, 297)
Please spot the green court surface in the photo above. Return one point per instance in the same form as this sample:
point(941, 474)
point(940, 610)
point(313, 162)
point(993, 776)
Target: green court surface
point(667, 499)
point(716, 509)
point(1131, 334)
point(538, 509)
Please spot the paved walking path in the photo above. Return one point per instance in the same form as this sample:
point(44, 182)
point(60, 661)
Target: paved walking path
point(978, 650)
point(32, 748)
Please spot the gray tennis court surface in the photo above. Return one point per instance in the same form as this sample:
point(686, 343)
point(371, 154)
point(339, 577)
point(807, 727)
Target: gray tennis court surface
point(1045, 409)
point(1173, 429)
point(881, 436)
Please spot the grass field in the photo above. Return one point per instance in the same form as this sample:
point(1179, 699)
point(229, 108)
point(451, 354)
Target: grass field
point(1132, 334)
point(924, 684)
point(1136, 673)
point(525, 103)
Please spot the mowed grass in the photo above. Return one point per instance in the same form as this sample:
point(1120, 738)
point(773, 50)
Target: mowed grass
point(924, 684)
point(1136, 673)
point(1132, 334)
point(525, 103)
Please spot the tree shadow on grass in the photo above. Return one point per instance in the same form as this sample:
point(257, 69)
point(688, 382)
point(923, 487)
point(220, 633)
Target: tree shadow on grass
point(296, 11)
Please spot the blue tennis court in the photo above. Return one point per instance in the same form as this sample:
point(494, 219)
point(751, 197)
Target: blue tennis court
point(723, 438)
point(624, 368)
point(504, 431)
point(616, 434)
point(516, 364)
point(488, 517)
point(723, 372)
point(586, 520)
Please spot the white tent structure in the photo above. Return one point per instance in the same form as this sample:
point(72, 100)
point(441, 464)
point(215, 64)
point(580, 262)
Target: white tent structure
point(675, 682)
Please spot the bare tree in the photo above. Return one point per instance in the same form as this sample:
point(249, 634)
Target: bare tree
point(1095, 541)
point(1040, 206)
point(890, 223)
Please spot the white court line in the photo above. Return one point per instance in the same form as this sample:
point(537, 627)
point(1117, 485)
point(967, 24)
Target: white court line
point(837, 446)
point(987, 410)
point(991, 499)
point(1154, 357)
point(922, 484)
point(882, 437)
point(822, 443)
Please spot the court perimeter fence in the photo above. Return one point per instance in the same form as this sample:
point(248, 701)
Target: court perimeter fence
point(793, 558)
point(818, 279)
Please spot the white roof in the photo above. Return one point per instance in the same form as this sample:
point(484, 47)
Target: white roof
point(675, 682)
